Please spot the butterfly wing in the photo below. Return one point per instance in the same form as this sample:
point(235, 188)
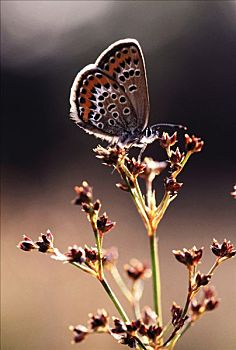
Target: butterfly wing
point(124, 62)
point(100, 105)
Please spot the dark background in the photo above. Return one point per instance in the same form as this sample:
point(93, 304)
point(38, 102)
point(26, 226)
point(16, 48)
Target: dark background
point(190, 54)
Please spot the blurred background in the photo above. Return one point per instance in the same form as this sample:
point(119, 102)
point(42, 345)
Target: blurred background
point(190, 53)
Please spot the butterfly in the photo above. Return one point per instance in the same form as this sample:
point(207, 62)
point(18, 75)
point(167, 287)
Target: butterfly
point(110, 100)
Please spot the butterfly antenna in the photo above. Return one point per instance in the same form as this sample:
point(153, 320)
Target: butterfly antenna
point(172, 125)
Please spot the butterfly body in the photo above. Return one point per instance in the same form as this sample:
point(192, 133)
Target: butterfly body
point(109, 99)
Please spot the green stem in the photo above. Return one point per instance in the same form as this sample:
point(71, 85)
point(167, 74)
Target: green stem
point(114, 299)
point(99, 247)
point(141, 345)
point(98, 237)
point(189, 295)
point(137, 291)
point(178, 336)
point(84, 268)
point(188, 325)
point(156, 280)
point(216, 264)
point(173, 341)
point(183, 163)
point(119, 308)
point(162, 207)
point(135, 192)
point(119, 281)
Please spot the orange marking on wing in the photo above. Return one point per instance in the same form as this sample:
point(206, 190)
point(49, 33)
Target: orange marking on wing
point(103, 80)
point(85, 115)
point(118, 62)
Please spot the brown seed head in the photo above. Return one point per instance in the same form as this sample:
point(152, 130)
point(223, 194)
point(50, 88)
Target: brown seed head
point(104, 225)
point(136, 168)
point(45, 242)
point(91, 254)
point(167, 141)
point(153, 332)
point(84, 194)
point(119, 326)
point(80, 332)
point(176, 312)
point(201, 279)
point(172, 186)
point(190, 257)
point(110, 156)
point(233, 193)
point(75, 254)
point(99, 322)
point(136, 269)
point(193, 144)
point(129, 340)
point(224, 250)
point(176, 157)
point(27, 244)
point(208, 302)
point(97, 205)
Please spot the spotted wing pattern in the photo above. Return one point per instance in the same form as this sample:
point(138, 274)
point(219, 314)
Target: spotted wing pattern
point(100, 105)
point(124, 62)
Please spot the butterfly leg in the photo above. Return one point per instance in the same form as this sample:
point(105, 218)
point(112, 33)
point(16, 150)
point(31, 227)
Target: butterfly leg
point(141, 152)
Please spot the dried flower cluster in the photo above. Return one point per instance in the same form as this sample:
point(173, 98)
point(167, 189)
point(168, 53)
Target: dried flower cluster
point(145, 329)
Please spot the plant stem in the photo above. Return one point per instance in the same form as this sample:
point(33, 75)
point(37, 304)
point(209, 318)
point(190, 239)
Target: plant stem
point(119, 281)
point(99, 247)
point(216, 264)
point(189, 295)
point(119, 308)
point(93, 221)
point(183, 163)
point(141, 345)
point(156, 280)
point(114, 299)
point(84, 268)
